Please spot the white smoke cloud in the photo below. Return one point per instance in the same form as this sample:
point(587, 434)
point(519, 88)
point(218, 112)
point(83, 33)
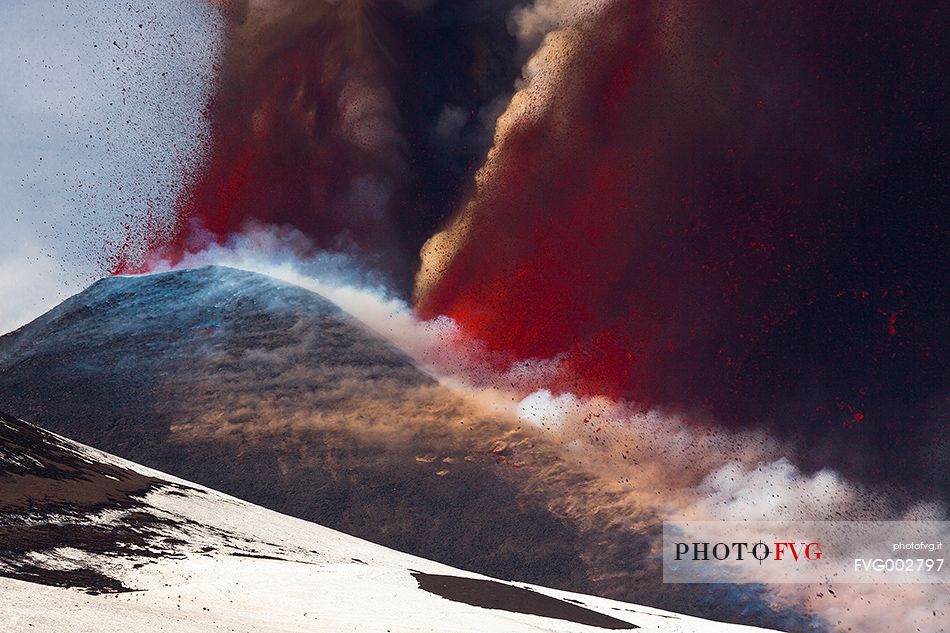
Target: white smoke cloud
point(532, 23)
point(712, 474)
point(683, 470)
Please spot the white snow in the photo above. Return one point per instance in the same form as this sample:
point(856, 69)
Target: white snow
point(326, 581)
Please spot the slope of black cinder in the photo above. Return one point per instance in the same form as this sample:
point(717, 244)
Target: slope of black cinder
point(271, 393)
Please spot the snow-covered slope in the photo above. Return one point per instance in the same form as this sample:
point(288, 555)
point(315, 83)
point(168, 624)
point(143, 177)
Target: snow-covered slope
point(271, 393)
point(91, 542)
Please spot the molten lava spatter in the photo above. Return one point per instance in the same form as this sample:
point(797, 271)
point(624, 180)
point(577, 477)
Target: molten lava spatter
point(328, 117)
point(728, 209)
point(678, 202)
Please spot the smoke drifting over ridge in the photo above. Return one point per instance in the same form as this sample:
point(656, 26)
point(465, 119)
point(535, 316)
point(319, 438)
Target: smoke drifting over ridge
point(698, 467)
point(635, 466)
point(731, 208)
point(699, 207)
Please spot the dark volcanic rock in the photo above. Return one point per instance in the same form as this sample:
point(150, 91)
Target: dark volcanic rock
point(51, 494)
point(495, 595)
point(270, 393)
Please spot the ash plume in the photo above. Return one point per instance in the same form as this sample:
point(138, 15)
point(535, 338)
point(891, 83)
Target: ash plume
point(351, 121)
point(600, 463)
point(684, 236)
point(720, 218)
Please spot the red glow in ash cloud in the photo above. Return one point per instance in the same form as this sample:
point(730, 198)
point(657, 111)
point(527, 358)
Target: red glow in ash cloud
point(613, 220)
point(304, 132)
point(679, 199)
point(676, 200)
